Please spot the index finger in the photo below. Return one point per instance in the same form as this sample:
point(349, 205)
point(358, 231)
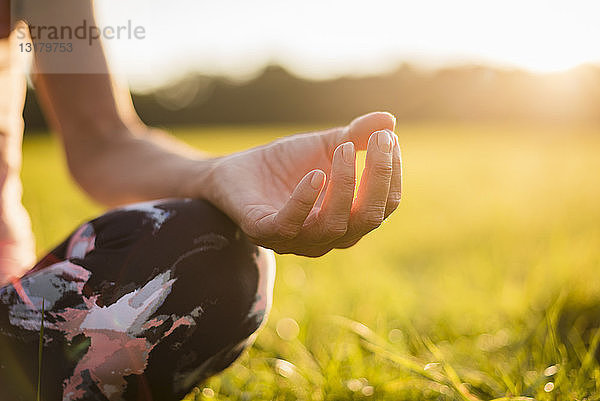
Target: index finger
point(368, 210)
point(358, 131)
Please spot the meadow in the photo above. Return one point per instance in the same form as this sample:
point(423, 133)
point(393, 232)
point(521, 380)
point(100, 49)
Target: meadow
point(483, 285)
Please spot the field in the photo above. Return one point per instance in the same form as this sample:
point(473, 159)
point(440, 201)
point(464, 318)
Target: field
point(483, 285)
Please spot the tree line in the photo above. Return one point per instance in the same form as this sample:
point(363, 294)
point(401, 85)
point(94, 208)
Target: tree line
point(465, 93)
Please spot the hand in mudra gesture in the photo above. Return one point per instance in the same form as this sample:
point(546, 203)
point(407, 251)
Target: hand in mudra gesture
point(296, 194)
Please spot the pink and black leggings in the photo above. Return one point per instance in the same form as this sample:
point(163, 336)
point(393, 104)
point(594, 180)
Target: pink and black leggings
point(141, 303)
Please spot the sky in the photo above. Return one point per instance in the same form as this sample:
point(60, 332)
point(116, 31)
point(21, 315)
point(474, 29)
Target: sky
point(329, 38)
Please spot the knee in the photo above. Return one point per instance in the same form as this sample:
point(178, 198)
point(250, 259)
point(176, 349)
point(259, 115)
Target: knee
point(212, 255)
point(220, 295)
point(206, 288)
point(218, 268)
point(176, 280)
point(200, 247)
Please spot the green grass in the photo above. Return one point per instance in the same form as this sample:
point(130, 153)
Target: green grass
point(483, 285)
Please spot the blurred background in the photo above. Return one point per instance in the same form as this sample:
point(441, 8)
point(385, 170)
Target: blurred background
point(484, 284)
point(270, 61)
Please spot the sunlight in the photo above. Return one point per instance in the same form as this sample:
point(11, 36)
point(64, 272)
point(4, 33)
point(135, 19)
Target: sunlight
point(332, 38)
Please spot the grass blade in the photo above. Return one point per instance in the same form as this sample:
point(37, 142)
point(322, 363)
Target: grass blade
point(40, 353)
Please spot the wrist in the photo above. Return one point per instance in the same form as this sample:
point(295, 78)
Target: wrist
point(200, 182)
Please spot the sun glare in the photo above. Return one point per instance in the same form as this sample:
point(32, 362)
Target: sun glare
point(323, 39)
point(549, 66)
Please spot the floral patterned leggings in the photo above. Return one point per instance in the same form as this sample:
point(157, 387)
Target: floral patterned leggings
point(141, 303)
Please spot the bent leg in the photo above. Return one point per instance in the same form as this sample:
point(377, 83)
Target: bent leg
point(141, 303)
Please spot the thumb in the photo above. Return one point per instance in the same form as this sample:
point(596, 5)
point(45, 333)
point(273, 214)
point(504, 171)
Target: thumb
point(288, 221)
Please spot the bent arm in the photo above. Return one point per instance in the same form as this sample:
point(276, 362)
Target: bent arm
point(272, 192)
point(113, 161)
point(111, 154)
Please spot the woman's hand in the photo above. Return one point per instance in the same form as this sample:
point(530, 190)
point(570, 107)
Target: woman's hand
point(296, 195)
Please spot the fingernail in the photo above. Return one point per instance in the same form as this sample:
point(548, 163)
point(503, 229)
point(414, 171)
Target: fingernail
point(348, 152)
point(393, 117)
point(393, 136)
point(316, 181)
point(384, 141)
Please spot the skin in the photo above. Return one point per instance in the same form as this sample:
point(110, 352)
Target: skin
point(295, 195)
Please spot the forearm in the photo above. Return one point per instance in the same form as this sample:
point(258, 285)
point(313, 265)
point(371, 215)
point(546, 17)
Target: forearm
point(111, 154)
point(129, 168)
